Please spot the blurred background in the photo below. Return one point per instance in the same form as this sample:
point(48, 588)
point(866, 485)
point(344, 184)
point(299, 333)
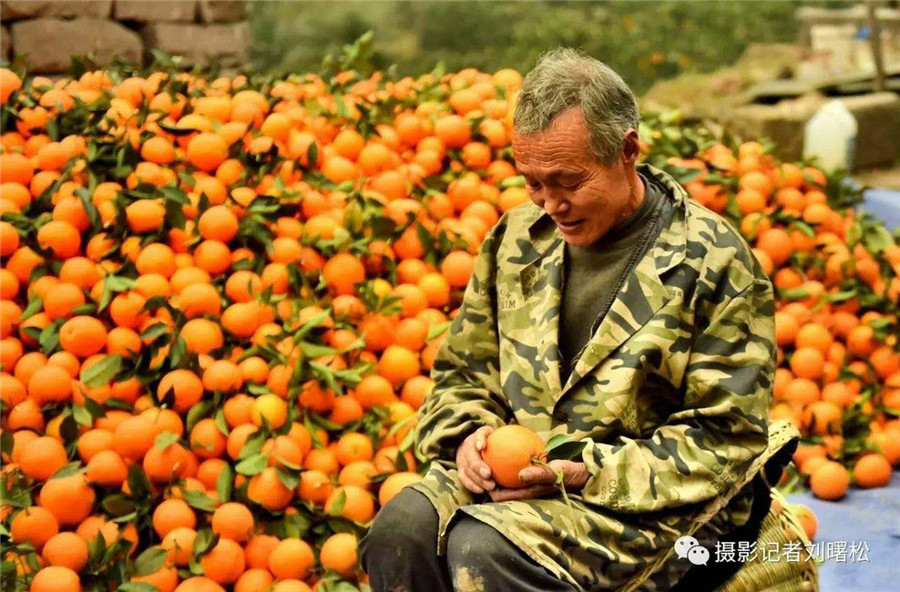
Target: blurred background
point(643, 41)
point(757, 69)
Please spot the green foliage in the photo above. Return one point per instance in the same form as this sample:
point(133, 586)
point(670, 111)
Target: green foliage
point(643, 41)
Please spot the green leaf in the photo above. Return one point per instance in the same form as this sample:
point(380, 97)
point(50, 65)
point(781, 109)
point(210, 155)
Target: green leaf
point(517, 181)
point(84, 309)
point(82, 416)
point(877, 238)
point(6, 443)
point(102, 372)
point(253, 445)
point(805, 228)
point(296, 525)
point(338, 505)
point(165, 439)
point(225, 483)
point(200, 501)
point(252, 465)
point(150, 561)
point(313, 350)
point(842, 296)
point(137, 587)
point(69, 469)
point(436, 330)
point(794, 294)
point(196, 413)
point(154, 331)
point(204, 542)
point(49, 337)
point(221, 423)
point(35, 305)
point(137, 482)
point(287, 478)
point(563, 447)
point(118, 504)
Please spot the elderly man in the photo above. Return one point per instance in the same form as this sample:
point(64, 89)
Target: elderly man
point(616, 311)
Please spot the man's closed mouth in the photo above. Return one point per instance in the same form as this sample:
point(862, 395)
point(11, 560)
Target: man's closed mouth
point(568, 225)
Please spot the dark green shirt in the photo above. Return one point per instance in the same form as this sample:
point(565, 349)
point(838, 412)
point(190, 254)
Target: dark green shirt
point(593, 274)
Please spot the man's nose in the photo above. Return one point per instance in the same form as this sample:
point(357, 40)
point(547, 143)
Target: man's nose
point(555, 203)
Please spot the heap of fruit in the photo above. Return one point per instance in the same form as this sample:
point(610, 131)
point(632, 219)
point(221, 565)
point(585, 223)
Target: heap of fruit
point(221, 299)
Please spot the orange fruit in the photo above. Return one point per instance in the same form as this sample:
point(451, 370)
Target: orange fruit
point(398, 364)
point(34, 525)
point(394, 483)
point(342, 272)
point(66, 549)
point(171, 514)
point(291, 559)
point(70, 499)
point(233, 521)
point(830, 481)
point(207, 151)
point(55, 578)
point(185, 388)
point(267, 490)
point(508, 450)
point(42, 457)
point(339, 552)
point(359, 506)
point(872, 470)
point(808, 520)
point(83, 336)
point(50, 384)
point(225, 562)
point(60, 237)
point(315, 486)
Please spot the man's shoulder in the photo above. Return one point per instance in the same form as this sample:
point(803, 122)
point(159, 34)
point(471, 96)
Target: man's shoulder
point(514, 224)
point(716, 248)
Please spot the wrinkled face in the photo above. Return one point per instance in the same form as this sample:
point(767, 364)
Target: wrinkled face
point(584, 197)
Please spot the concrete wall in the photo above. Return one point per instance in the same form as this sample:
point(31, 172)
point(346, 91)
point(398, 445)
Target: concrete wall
point(48, 33)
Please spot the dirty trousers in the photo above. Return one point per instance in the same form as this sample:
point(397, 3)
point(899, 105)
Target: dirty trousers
point(399, 554)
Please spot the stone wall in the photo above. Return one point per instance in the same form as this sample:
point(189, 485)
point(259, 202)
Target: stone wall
point(48, 33)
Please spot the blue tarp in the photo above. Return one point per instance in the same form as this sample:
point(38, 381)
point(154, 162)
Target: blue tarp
point(870, 516)
point(865, 515)
point(883, 204)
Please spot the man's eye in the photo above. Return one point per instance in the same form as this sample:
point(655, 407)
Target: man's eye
point(533, 185)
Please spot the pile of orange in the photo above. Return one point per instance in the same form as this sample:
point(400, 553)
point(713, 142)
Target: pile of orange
point(837, 280)
point(220, 301)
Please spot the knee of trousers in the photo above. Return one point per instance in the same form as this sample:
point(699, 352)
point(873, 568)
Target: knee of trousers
point(473, 544)
point(406, 527)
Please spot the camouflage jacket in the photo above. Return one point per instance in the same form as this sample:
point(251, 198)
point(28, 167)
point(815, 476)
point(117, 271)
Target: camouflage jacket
point(671, 394)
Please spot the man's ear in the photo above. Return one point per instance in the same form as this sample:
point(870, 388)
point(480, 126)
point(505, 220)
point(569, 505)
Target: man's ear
point(631, 147)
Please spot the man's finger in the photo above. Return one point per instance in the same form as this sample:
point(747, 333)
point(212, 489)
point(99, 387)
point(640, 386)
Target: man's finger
point(476, 477)
point(481, 435)
point(467, 483)
point(474, 460)
point(537, 475)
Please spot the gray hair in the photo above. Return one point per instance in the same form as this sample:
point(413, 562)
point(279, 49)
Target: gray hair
point(565, 78)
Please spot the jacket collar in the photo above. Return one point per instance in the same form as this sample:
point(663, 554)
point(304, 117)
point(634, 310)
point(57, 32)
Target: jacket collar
point(642, 294)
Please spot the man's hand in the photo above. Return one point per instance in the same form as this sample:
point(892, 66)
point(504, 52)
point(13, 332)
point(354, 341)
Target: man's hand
point(541, 482)
point(474, 473)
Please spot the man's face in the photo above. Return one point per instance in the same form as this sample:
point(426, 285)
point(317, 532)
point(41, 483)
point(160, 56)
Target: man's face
point(584, 197)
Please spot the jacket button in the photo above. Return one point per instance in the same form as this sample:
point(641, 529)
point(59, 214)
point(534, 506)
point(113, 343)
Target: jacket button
point(561, 416)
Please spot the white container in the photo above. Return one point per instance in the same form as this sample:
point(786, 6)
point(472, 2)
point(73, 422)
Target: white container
point(830, 135)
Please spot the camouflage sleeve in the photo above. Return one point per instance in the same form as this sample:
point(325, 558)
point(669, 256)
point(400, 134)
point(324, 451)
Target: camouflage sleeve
point(467, 393)
point(709, 444)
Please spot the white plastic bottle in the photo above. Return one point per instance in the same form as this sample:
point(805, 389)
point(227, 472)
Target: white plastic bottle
point(830, 135)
